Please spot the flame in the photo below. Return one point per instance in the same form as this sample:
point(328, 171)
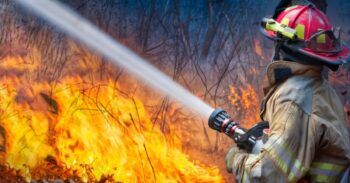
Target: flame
point(246, 104)
point(258, 49)
point(85, 131)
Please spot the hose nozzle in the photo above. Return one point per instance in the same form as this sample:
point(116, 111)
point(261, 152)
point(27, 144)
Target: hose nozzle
point(216, 119)
point(220, 121)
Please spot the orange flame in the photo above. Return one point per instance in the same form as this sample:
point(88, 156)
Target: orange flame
point(85, 132)
point(246, 104)
point(258, 49)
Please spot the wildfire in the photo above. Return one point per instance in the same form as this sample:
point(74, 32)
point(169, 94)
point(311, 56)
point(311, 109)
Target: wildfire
point(245, 103)
point(86, 132)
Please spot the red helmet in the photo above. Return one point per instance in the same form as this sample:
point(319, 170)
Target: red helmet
point(315, 33)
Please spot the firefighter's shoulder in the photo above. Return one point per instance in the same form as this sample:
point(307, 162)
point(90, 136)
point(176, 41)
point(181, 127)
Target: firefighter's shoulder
point(297, 89)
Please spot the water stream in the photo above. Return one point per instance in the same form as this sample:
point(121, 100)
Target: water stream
point(82, 30)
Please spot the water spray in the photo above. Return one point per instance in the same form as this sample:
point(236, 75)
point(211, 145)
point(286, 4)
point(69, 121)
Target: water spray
point(82, 30)
point(85, 32)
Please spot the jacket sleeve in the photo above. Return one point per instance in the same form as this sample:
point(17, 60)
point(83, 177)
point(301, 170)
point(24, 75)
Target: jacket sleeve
point(286, 156)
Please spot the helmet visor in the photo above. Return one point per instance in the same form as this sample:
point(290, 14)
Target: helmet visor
point(324, 42)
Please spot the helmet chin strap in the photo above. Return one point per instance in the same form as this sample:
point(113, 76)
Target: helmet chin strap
point(276, 53)
point(279, 54)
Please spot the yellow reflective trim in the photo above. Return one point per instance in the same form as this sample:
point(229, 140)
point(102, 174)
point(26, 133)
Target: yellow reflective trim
point(296, 171)
point(279, 162)
point(284, 159)
point(321, 178)
point(321, 39)
point(328, 166)
point(300, 31)
point(245, 177)
point(326, 172)
point(285, 21)
point(324, 178)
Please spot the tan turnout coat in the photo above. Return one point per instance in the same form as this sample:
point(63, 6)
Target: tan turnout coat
point(308, 136)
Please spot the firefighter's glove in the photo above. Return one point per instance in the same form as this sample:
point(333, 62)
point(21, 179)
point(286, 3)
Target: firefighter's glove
point(233, 158)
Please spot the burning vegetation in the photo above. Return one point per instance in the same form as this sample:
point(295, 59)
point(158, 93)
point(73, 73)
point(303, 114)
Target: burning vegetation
point(85, 132)
point(67, 114)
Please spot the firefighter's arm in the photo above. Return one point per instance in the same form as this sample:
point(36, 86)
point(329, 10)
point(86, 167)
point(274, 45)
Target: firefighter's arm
point(279, 160)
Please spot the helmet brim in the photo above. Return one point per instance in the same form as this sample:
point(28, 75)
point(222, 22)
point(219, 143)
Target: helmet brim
point(331, 59)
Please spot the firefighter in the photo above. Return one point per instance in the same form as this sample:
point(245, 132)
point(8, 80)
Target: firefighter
point(308, 139)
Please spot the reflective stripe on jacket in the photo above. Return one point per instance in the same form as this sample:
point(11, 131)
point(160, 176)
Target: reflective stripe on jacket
point(308, 136)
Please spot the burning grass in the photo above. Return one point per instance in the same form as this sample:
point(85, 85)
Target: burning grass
point(85, 132)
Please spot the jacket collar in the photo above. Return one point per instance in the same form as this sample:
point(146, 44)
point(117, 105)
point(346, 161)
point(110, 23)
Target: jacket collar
point(278, 71)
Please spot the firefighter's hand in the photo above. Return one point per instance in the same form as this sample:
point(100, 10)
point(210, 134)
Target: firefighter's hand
point(230, 157)
point(235, 158)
